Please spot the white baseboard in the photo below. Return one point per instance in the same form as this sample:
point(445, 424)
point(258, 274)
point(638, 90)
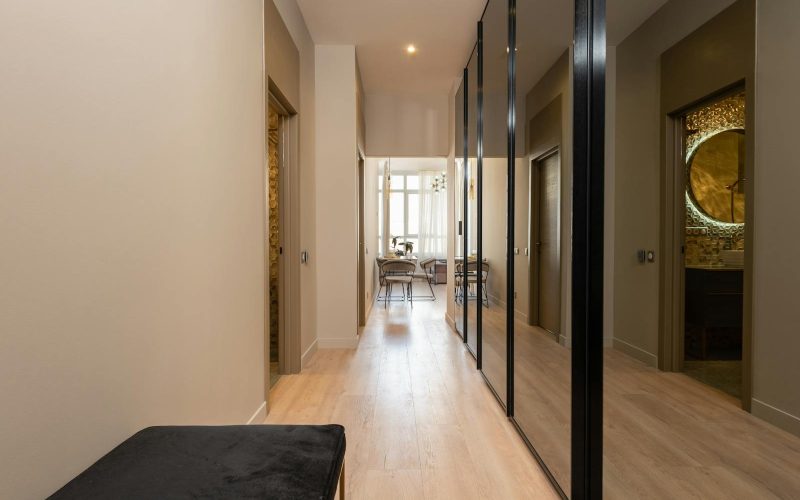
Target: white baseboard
point(631, 350)
point(369, 304)
point(259, 416)
point(776, 416)
point(307, 355)
point(338, 343)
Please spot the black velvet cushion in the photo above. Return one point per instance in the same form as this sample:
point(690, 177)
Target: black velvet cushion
point(243, 461)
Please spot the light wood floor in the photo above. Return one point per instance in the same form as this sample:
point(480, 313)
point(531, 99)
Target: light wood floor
point(420, 421)
point(666, 435)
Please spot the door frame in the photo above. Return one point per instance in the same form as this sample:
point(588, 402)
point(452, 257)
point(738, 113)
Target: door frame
point(361, 285)
point(534, 190)
point(673, 238)
point(289, 261)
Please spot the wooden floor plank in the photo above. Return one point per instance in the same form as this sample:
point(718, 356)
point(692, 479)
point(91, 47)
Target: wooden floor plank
point(420, 421)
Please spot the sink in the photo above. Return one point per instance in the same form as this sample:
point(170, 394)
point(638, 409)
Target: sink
point(732, 258)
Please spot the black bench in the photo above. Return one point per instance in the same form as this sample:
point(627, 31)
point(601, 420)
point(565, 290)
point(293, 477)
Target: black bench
point(242, 461)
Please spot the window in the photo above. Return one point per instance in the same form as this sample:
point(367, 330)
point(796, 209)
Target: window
point(412, 209)
point(403, 211)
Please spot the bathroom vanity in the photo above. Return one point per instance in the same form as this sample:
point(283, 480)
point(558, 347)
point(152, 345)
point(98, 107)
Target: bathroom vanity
point(714, 300)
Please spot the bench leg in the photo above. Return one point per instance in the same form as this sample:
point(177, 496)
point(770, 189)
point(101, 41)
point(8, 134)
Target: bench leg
point(341, 483)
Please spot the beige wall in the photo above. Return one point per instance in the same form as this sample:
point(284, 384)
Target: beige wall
point(495, 221)
point(776, 343)
point(407, 124)
point(452, 154)
point(371, 167)
point(296, 26)
point(361, 123)
point(637, 186)
point(282, 55)
point(337, 133)
point(132, 226)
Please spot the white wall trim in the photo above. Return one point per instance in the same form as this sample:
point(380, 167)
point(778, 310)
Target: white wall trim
point(338, 343)
point(307, 355)
point(260, 415)
point(776, 416)
point(631, 350)
point(368, 305)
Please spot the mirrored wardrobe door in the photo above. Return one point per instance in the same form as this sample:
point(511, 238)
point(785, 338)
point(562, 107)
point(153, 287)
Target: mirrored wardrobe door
point(542, 355)
point(488, 270)
point(456, 276)
point(472, 202)
point(677, 391)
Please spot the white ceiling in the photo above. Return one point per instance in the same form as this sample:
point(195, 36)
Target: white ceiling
point(444, 33)
point(442, 30)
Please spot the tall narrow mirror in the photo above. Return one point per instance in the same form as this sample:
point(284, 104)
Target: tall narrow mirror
point(697, 398)
point(542, 355)
point(459, 181)
point(472, 203)
point(491, 278)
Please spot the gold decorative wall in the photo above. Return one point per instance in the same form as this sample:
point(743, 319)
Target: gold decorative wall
point(707, 236)
point(273, 141)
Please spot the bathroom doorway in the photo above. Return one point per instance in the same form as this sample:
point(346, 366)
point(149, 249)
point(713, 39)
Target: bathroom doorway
point(714, 206)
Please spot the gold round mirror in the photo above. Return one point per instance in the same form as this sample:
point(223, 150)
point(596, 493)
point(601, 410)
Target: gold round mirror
point(716, 176)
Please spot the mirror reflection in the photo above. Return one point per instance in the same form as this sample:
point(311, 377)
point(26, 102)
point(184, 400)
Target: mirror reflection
point(716, 171)
point(494, 204)
point(458, 209)
point(686, 371)
point(542, 357)
point(469, 268)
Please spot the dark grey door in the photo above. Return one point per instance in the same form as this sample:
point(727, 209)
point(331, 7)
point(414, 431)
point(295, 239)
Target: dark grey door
point(548, 248)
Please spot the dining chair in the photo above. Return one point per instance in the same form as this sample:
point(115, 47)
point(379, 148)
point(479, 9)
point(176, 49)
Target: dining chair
point(426, 265)
point(381, 282)
point(472, 279)
point(400, 271)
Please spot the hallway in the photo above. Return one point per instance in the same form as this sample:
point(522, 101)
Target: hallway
point(421, 422)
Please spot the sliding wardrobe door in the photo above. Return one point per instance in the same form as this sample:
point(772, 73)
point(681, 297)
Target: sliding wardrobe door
point(459, 184)
point(472, 201)
point(490, 271)
point(542, 164)
point(684, 351)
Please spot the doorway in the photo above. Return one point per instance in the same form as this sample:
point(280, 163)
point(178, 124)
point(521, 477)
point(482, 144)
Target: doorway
point(282, 245)
point(275, 237)
point(713, 266)
point(545, 276)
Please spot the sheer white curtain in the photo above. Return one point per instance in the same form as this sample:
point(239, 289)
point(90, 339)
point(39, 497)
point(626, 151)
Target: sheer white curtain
point(433, 217)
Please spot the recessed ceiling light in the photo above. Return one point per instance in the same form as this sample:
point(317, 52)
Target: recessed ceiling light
point(411, 49)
